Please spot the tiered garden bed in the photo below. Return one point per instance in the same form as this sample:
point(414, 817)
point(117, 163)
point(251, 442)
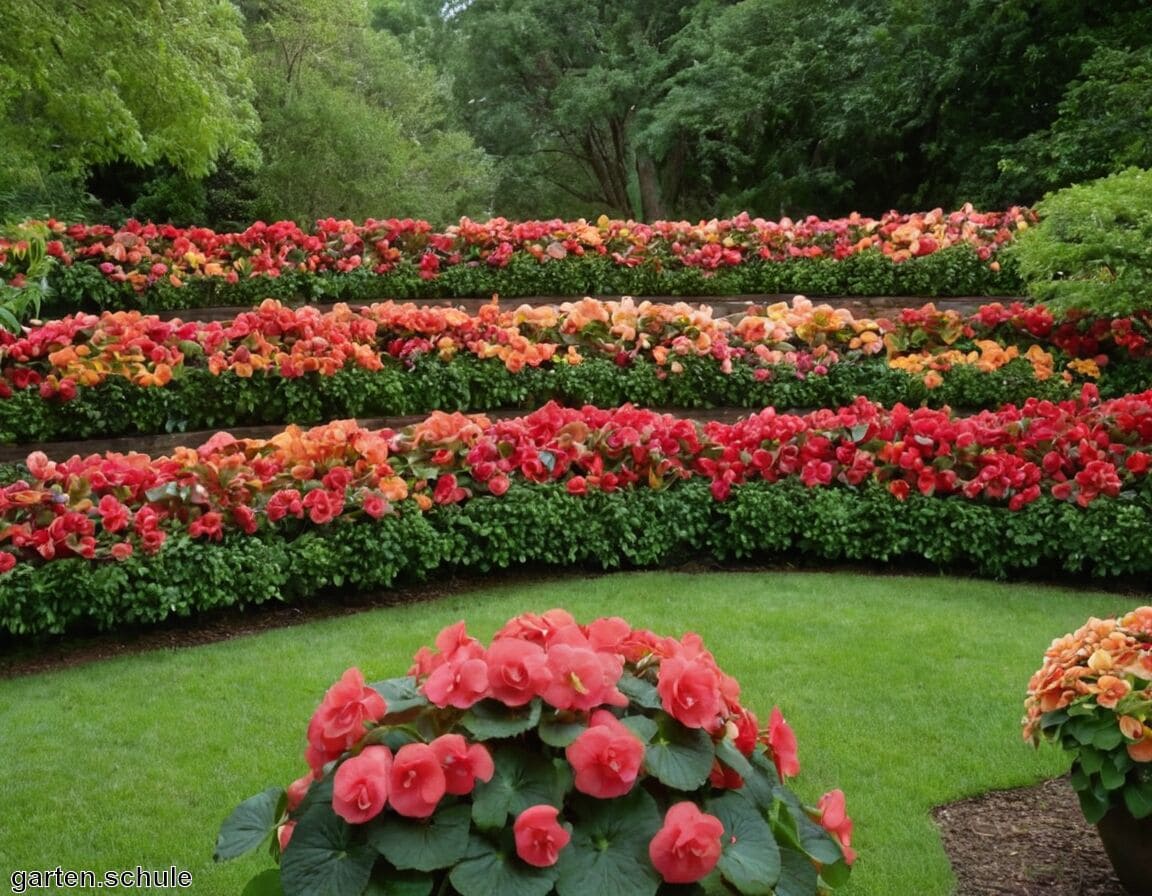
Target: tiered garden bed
point(944, 431)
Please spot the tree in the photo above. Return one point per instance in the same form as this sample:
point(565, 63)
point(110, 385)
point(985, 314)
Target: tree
point(351, 128)
point(563, 97)
point(134, 80)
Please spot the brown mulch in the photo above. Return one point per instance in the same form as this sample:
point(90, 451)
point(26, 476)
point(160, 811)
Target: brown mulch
point(1024, 842)
point(1030, 841)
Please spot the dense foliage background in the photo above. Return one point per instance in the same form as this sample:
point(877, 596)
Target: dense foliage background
point(218, 113)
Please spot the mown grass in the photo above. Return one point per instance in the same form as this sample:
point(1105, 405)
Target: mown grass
point(905, 692)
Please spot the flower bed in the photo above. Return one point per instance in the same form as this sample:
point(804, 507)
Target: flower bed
point(106, 540)
point(558, 759)
point(153, 267)
point(124, 372)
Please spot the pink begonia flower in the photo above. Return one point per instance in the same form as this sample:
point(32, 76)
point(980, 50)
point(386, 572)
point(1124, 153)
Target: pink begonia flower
point(782, 742)
point(416, 782)
point(834, 819)
point(582, 678)
point(360, 785)
point(458, 682)
point(517, 671)
point(688, 846)
point(284, 834)
point(690, 691)
point(539, 836)
point(606, 757)
point(339, 721)
point(463, 763)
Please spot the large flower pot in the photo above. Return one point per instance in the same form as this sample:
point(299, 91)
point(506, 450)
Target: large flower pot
point(1128, 842)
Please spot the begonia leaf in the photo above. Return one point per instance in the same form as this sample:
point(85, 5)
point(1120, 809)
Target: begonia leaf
point(400, 694)
point(249, 824)
point(680, 757)
point(491, 719)
point(401, 883)
point(608, 852)
point(423, 845)
point(520, 780)
point(751, 856)
point(488, 871)
point(324, 857)
point(797, 874)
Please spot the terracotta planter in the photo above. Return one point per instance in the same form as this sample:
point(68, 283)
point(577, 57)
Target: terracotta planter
point(1128, 842)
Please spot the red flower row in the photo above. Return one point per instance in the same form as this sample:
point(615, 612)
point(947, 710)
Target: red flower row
point(142, 254)
point(110, 505)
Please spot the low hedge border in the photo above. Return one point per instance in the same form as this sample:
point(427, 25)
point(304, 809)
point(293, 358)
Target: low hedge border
point(201, 400)
point(955, 271)
point(543, 524)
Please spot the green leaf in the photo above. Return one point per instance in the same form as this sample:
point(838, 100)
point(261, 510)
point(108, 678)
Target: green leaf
point(642, 693)
point(411, 844)
point(401, 883)
point(1139, 800)
point(324, 859)
point(521, 779)
point(608, 852)
point(751, 856)
point(811, 837)
point(266, 883)
point(797, 874)
point(728, 753)
point(680, 757)
point(1093, 804)
point(559, 731)
point(488, 871)
point(642, 726)
point(1108, 738)
point(491, 719)
point(1111, 777)
point(1090, 760)
point(249, 824)
point(401, 694)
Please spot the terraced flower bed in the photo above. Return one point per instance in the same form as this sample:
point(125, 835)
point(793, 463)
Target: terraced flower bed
point(151, 267)
point(107, 540)
point(123, 372)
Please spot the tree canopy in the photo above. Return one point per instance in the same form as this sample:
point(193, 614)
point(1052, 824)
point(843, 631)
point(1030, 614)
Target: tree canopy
point(220, 110)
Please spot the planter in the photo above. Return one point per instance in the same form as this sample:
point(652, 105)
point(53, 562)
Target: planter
point(1128, 842)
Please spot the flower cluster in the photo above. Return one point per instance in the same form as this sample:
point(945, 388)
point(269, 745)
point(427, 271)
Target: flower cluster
point(557, 749)
point(142, 255)
point(1093, 697)
point(796, 339)
point(110, 505)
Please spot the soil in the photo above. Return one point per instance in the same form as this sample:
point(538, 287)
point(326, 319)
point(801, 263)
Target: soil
point(1024, 842)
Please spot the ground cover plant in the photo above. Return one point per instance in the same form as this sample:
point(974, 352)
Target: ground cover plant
point(849, 659)
point(107, 540)
point(151, 267)
point(123, 372)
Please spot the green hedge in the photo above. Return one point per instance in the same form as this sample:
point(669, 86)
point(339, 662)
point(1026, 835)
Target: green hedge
point(202, 401)
point(545, 525)
point(956, 271)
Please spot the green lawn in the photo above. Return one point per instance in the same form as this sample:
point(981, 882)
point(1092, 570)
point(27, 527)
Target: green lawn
point(905, 692)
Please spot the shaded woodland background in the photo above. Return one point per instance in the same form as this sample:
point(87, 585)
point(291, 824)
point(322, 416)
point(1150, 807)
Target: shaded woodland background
point(217, 113)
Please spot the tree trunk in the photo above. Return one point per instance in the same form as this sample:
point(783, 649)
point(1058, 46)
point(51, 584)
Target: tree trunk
point(652, 207)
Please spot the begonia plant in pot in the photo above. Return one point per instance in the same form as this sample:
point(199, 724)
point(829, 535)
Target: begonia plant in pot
point(1093, 697)
point(560, 759)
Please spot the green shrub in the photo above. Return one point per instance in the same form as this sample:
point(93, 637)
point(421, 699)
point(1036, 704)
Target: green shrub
point(542, 524)
point(1093, 246)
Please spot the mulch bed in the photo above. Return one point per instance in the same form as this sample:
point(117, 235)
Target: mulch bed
point(1024, 842)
